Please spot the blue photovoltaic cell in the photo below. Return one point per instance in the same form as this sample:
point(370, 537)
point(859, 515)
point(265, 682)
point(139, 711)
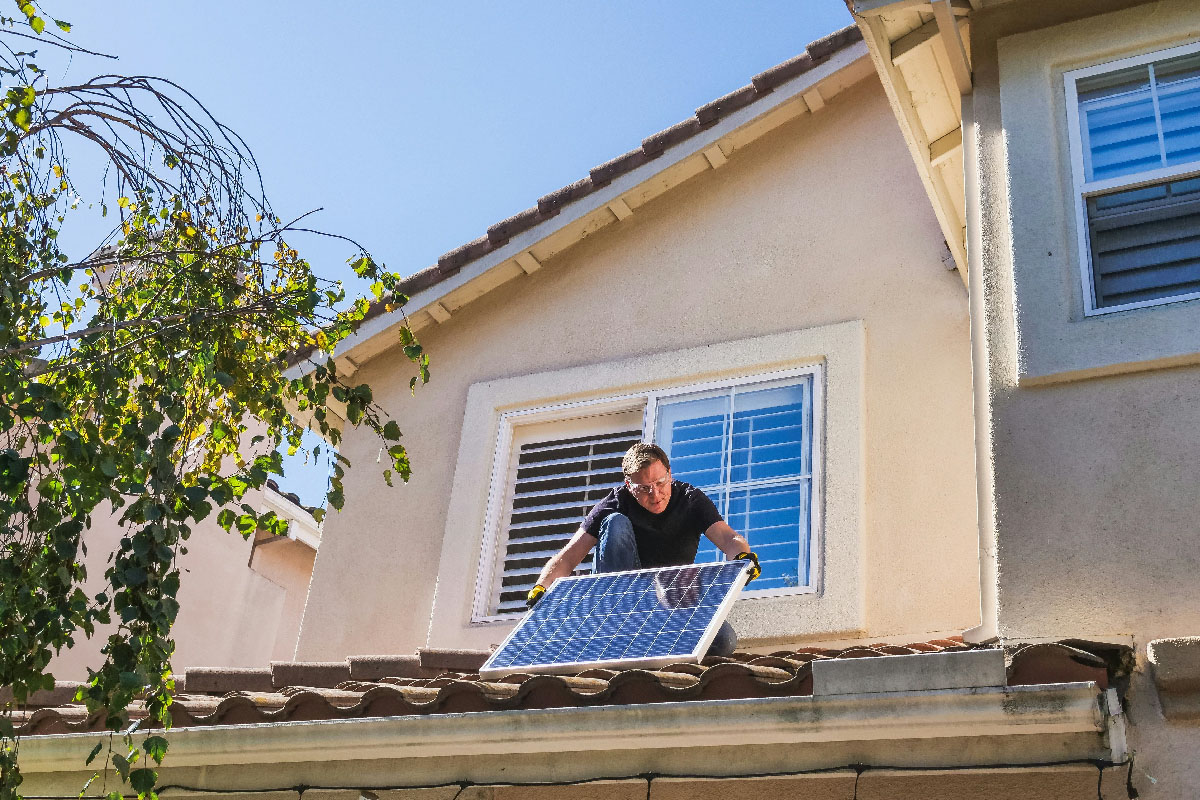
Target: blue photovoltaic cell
point(648, 617)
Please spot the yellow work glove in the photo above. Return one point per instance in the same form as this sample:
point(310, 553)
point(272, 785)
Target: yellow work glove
point(755, 569)
point(534, 595)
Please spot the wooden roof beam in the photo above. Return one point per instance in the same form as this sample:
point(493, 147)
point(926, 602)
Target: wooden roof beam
point(960, 66)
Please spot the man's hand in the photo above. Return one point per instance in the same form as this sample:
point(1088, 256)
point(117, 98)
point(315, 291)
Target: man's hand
point(534, 595)
point(755, 569)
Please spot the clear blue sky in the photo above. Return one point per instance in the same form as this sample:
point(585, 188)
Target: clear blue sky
point(416, 125)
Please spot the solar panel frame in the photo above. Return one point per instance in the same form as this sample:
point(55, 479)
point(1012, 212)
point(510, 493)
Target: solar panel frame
point(564, 586)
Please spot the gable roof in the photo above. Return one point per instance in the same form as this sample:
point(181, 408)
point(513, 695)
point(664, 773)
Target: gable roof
point(612, 191)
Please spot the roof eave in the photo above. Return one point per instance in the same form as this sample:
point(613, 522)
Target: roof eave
point(665, 737)
point(608, 204)
point(928, 42)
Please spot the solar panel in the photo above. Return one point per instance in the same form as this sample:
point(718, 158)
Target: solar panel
point(641, 618)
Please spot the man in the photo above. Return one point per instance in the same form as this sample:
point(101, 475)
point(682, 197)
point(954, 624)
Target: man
point(649, 521)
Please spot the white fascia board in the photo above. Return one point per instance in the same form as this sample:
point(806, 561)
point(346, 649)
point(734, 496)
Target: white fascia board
point(1065, 709)
point(573, 212)
point(302, 527)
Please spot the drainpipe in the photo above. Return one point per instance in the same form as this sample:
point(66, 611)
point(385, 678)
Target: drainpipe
point(988, 628)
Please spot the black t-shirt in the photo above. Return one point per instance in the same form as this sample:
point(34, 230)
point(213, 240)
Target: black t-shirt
point(663, 540)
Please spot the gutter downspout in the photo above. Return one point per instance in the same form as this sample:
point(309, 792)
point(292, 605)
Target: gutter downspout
point(989, 600)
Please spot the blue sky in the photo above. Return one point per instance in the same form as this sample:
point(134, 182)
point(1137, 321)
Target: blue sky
point(416, 125)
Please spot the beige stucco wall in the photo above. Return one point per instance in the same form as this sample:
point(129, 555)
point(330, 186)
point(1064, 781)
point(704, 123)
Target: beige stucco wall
point(823, 221)
point(1095, 421)
point(230, 614)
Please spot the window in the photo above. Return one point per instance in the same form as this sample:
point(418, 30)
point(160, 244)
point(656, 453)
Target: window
point(1135, 146)
point(746, 442)
point(750, 449)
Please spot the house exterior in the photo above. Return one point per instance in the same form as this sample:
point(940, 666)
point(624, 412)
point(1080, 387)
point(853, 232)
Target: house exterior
point(241, 600)
point(936, 281)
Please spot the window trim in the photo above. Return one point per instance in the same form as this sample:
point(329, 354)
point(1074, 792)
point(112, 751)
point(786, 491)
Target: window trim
point(1084, 189)
point(647, 401)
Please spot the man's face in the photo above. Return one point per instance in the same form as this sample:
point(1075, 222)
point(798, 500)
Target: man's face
point(651, 487)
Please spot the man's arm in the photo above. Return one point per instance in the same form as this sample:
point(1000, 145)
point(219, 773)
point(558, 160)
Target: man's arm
point(562, 563)
point(727, 540)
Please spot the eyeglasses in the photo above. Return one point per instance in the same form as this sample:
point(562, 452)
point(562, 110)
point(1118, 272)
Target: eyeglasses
point(643, 489)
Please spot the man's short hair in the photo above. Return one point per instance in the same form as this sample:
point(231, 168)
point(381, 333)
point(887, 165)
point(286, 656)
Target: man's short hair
point(642, 455)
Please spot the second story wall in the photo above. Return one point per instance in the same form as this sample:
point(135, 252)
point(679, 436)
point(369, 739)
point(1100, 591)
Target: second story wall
point(811, 260)
point(1092, 330)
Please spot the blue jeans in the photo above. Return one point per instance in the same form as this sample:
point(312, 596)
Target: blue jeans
point(617, 552)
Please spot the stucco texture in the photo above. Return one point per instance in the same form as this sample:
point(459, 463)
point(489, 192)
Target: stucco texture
point(1094, 439)
point(1095, 478)
point(822, 221)
point(231, 614)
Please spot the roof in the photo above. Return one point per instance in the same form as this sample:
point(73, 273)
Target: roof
point(549, 207)
point(437, 682)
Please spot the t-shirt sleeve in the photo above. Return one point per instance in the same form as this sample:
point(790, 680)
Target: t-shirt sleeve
point(703, 510)
point(591, 523)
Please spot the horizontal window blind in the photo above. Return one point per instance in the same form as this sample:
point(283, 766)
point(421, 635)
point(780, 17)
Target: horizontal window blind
point(749, 449)
point(1145, 243)
point(556, 483)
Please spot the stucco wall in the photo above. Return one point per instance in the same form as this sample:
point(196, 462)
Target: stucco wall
point(1096, 474)
point(1095, 421)
point(823, 221)
point(230, 614)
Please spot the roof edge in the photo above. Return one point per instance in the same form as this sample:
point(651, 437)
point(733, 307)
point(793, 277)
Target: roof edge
point(510, 242)
point(1065, 710)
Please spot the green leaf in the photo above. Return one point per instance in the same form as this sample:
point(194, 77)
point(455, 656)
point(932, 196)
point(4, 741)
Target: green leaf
point(247, 524)
point(336, 499)
point(391, 430)
point(143, 780)
point(95, 752)
point(223, 378)
point(109, 467)
point(155, 747)
point(63, 26)
point(38, 24)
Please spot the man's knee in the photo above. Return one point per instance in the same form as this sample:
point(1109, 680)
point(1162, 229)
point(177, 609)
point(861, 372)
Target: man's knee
point(725, 642)
point(616, 525)
point(617, 549)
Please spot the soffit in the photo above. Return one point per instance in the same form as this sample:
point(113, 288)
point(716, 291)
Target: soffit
point(921, 52)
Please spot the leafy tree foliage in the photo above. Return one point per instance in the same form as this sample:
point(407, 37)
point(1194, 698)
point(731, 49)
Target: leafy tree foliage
point(154, 379)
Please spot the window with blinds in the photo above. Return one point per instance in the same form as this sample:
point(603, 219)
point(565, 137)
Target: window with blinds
point(749, 447)
point(1136, 148)
point(558, 472)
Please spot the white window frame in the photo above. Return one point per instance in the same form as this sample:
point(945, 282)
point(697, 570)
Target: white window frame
point(1084, 189)
point(490, 556)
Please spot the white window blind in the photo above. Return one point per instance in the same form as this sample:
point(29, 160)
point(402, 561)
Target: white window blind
point(1136, 148)
point(749, 447)
point(555, 478)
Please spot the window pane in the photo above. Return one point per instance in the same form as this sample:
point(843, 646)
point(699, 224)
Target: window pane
point(1145, 243)
point(1179, 105)
point(693, 434)
point(1117, 111)
point(768, 434)
point(1122, 136)
point(775, 521)
point(707, 552)
point(763, 486)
